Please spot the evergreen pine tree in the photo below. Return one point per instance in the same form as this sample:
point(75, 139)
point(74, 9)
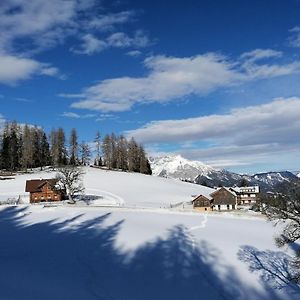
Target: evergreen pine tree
point(133, 156)
point(73, 148)
point(27, 148)
point(45, 151)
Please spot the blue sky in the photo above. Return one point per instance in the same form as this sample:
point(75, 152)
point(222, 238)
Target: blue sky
point(216, 81)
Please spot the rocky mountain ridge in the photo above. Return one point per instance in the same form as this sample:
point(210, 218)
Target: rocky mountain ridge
point(175, 166)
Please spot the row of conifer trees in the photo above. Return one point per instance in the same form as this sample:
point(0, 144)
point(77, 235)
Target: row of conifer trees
point(119, 153)
point(24, 147)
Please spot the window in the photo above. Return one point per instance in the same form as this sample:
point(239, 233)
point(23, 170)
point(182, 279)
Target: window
point(205, 208)
point(227, 206)
point(219, 207)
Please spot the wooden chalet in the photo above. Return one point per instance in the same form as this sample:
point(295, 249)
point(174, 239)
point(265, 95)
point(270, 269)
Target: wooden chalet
point(202, 203)
point(224, 199)
point(43, 190)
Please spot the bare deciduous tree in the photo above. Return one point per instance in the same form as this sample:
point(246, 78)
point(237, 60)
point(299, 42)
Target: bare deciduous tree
point(98, 148)
point(85, 153)
point(70, 179)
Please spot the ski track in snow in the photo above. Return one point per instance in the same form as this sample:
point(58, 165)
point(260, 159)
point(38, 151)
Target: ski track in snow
point(115, 197)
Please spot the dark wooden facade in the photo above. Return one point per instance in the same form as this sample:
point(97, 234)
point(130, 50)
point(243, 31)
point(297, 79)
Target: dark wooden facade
point(43, 190)
point(224, 197)
point(202, 203)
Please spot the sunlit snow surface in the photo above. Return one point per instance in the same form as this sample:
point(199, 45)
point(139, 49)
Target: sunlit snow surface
point(71, 252)
point(118, 188)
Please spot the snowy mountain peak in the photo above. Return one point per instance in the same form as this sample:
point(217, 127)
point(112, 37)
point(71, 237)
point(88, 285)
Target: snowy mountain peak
point(176, 166)
point(272, 178)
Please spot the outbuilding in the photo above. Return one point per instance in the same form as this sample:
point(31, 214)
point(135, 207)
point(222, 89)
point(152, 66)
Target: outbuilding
point(202, 203)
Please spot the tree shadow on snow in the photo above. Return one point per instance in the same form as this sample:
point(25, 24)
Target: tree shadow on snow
point(88, 199)
point(77, 259)
point(274, 267)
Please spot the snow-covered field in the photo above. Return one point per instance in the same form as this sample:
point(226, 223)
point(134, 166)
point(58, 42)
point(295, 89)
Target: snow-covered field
point(70, 252)
point(117, 188)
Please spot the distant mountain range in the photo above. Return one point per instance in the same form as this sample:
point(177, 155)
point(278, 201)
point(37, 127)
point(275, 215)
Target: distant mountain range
point(175, 166)
point(297, 173)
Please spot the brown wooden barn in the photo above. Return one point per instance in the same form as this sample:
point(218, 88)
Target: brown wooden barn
point(224, 199)
point(202, 203)
point(42, 190)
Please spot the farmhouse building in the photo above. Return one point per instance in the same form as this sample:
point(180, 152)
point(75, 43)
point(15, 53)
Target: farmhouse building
point(246, 195)
point(224, 199)
point(42, 190)
point(227, 198)
point(202, 203)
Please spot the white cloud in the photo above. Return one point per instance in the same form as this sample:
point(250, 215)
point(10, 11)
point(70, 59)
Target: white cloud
point(271, 123)
point(109, 21)
point(294, 39)
point(259, 54)
point(265, 134)
point(50, 71)
point(47, 70)
point(35, 20)
point(45, 24)
point(276, 156)
point(134, 53)
point(73, 115)
point(253, 68)
point(122, 40)
point(105, 117)
point(90, 45)
point(14, 69)
point(171, 78)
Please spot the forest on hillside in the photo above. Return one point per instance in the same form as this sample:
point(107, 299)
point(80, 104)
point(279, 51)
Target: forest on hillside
point(24, 147)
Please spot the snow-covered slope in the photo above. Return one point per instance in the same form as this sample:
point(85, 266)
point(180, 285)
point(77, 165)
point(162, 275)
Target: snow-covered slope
point(120, 188)
point(175, 166)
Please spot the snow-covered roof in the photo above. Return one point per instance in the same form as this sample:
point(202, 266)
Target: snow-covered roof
point(230, 190)
point(208, 197)
point(35, 185)
point(246, 189)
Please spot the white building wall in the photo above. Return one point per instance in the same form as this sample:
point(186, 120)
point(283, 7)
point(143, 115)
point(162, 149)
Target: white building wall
point(224, 207)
